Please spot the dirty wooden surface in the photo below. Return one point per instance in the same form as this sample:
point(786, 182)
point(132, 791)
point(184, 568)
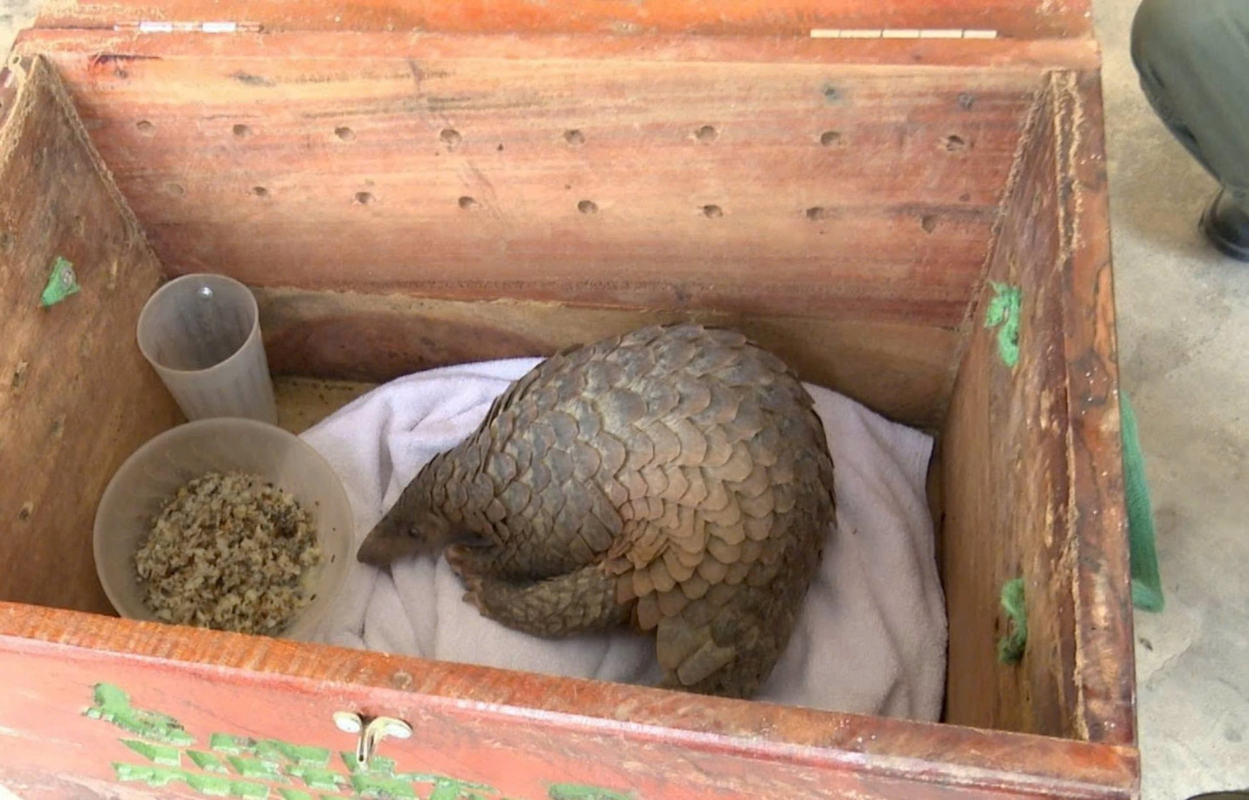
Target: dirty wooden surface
point(1021, 496)
point(902, 371)
point(673, 177)
point(1013, 18)
point(76, 397)
point(515, 733)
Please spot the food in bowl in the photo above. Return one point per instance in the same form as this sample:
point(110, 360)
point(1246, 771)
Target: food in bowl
point(230, 551)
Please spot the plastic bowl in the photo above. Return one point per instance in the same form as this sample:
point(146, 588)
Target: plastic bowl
point(153, 474)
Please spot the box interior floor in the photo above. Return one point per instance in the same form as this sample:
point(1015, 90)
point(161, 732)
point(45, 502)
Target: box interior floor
point(399, 203)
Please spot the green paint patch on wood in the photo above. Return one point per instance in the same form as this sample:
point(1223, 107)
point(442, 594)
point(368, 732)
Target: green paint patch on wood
point(157, 753)
point(273, 750)
point(260, 765)
point(113, 705)
point(451, 789)
point(381, 786)
point(575, 791)
point(158, 777)
point(248, 791)
point(206, 761)
point(318, 778)
point(211, 785)
point(255, 768)
point(232, 745)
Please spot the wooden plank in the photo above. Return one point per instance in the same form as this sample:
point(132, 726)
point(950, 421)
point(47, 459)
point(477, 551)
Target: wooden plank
point(865, 193)
point(76, 396)
point(1033, 19)
point(1022, 497)
point(1105, 673)
point(517, 734)
point(901, 371)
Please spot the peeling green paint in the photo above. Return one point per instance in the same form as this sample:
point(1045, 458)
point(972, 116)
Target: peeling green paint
point(367, 785)
point(273, 750)
point(206, 761)
point(158, 753)
point(318, 778)
point(573, 791)
point(113, 705)
point(159, 777)
point(268, 767)
point(255, 768)
point(233, 745)
point(212, 785)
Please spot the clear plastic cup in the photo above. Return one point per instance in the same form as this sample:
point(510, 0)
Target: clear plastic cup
point(201, 333)
point(151, 477)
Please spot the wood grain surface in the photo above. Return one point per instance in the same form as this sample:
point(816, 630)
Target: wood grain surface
point(1021, 495)
point(76, 396)
point(683, 178)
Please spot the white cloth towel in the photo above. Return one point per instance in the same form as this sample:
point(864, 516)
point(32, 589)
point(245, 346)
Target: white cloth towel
point(871, 637)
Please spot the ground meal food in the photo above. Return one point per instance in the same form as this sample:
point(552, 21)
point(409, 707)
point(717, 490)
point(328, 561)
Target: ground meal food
point(229, 552)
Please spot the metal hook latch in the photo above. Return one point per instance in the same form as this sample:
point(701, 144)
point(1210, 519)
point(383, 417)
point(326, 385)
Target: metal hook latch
point(370, 732)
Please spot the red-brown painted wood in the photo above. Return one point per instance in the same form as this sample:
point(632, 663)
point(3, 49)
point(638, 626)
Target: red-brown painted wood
point(1023, 20)
point(514, 732)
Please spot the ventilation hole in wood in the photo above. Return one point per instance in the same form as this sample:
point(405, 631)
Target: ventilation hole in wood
point(587, 207)
point(966, 100)
point(242, 131)
point(345, 134)
point(830, 138)
point(954, 143)
point(832, 94)
point(25, 511)
point(175, 189)
point(706, 133)
point(928, 222)
point(146, 128)
point(450, 137)
point(7, 240)
point(574, 137)
point(500, 147)
point(364, 198)
point(261, 191)
point(467, 203)
point(816, 213)
point(712, 211)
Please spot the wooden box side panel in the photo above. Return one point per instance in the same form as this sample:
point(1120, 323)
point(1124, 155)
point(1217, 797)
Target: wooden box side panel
point(76, 397)
point(259, 713)
point(675, 174)
point(899, 370)
point(1031, 460)
point(1055, 18)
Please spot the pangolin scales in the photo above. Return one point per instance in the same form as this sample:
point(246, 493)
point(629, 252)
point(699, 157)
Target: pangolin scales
point(675, 478)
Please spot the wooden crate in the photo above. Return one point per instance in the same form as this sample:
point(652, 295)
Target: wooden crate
point(411, 185)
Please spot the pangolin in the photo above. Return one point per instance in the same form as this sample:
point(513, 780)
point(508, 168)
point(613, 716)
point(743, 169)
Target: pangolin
point(675, 478)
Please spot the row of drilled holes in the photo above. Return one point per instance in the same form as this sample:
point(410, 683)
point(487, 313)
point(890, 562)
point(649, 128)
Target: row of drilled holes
point(710, 211)
point(575, 138)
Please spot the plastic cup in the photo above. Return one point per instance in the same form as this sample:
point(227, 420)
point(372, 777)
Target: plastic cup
point(151, 477)
point(201, 333)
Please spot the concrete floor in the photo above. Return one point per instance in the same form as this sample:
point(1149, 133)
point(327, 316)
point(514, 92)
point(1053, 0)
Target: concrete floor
point(1184, 330)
